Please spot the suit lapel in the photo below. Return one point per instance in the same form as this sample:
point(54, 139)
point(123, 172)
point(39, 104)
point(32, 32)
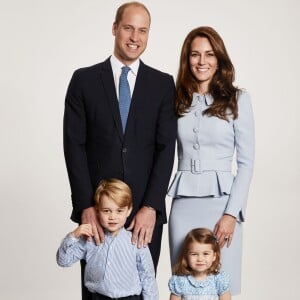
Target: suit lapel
point(110, 90)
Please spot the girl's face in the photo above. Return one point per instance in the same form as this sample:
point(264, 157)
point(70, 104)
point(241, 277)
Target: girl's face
point(200, 258)
point(203, 62)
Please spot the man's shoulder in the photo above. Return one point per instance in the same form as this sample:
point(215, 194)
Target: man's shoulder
point(155, 72)
point(93, 69)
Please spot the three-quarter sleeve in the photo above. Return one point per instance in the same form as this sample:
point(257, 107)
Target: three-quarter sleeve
point(244, 143)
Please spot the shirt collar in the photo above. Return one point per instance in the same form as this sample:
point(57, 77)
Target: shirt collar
point(198, 283)
point(117, 65)
point(121, 232)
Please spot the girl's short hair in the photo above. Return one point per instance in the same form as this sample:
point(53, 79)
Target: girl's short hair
point(114, 189)
point(202, 236)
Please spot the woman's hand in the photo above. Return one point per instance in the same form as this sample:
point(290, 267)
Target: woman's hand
point(224, 230)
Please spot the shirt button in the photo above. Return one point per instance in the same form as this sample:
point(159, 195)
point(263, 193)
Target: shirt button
point(196, 146)
point(124, 150)
point(196, 129)
point(197, 113)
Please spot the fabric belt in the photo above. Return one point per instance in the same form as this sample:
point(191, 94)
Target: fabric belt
point(198, 166)
point(97, 296)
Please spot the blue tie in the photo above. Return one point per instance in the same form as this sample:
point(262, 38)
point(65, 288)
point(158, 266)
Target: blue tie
point(124, 96)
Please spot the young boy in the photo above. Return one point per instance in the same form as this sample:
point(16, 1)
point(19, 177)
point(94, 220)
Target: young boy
point(115, 268)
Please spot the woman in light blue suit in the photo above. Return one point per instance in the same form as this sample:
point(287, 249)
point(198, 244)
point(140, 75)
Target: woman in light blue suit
point(215, 137)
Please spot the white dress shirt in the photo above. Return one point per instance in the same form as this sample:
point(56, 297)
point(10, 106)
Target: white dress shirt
point(117, 69)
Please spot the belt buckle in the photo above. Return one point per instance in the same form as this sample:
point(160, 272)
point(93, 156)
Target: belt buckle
point(196, 166)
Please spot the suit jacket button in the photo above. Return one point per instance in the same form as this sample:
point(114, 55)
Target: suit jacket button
point(124, 150)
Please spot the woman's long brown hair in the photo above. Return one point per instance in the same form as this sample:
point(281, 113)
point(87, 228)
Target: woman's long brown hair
point(221, 86)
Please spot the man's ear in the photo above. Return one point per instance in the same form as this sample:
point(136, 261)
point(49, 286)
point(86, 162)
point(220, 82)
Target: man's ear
point(114, 28)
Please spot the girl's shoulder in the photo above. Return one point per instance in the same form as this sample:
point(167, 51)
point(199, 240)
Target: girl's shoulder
point(222, 282)
point(177, 284)
point(178, 279)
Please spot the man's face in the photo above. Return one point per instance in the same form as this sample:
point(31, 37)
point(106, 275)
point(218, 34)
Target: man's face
point(131, 34)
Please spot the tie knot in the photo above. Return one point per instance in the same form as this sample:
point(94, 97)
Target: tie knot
point(125, 71)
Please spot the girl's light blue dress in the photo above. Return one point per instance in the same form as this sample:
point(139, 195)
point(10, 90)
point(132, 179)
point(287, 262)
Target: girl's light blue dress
point(189, 288)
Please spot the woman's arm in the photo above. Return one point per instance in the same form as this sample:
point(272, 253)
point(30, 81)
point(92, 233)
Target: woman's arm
point(244, 142)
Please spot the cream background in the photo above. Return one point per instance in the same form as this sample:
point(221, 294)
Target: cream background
point(43, 42)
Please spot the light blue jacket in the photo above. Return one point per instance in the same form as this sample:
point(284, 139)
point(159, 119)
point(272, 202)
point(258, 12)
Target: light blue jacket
point(209, 151)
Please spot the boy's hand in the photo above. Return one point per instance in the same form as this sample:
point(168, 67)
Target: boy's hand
point(83, 230)
point(89, 216)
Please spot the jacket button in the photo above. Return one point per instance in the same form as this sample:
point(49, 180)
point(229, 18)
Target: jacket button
point(196, 146)
point(196, 129)
point(124, 150)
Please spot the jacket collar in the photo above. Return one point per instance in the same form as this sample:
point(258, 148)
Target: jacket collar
point(207, 98)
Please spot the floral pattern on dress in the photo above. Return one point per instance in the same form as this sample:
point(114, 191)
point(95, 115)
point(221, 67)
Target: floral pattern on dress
point(210, 288)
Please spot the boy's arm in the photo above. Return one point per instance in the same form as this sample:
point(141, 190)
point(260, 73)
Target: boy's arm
point(147, 274)
point(73, 247)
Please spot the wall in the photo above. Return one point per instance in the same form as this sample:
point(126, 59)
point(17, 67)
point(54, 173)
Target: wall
point(43, 42)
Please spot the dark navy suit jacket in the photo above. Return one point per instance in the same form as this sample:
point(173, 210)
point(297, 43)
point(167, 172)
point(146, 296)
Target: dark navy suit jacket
point(94, 144)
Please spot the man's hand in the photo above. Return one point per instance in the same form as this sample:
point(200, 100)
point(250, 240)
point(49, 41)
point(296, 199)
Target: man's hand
point(143, 224)
point(224, 230)
point(89, 216)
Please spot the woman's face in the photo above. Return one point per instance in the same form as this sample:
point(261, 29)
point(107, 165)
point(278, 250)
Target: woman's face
point(203, 62)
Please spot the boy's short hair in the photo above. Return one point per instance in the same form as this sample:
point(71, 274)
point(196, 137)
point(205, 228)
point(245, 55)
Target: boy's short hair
point(116, 190)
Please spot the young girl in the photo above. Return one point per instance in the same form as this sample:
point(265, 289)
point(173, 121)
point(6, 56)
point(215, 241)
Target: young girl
point(196, 272)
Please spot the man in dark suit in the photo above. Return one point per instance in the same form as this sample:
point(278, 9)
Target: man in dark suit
point(139, 150)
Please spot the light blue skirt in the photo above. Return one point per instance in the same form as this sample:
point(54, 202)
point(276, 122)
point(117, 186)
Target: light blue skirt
point(188, 213)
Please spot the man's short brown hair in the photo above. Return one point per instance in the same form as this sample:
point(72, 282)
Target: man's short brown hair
point(120, 11)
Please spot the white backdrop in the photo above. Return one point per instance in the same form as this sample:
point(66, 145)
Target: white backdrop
point(43, 42)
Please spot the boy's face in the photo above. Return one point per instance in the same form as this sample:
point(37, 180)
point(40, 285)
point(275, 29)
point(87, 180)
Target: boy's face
point(111, 216)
